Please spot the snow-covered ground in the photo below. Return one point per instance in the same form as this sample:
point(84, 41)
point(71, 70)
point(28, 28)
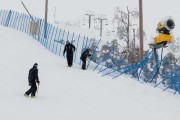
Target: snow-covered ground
point(70, 93)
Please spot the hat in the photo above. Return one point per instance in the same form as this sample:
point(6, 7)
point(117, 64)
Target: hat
point(35, 64)
point(88, 49)
point(67, 41)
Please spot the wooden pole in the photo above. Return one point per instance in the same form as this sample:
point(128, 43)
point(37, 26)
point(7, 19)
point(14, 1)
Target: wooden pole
point(141, 29)
point(46, 14)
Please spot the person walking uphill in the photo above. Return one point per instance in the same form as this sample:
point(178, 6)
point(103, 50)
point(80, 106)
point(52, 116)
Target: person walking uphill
point(33, 79)
point(84, 56)
point(69, 49)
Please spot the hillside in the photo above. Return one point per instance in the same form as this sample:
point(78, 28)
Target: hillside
point(70, 93)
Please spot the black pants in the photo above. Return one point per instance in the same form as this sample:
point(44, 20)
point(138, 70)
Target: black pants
point(83, 64)
point(32, 90)
point(70, 60)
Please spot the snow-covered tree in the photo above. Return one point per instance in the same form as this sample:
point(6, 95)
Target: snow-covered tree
point(168, 65)
point(95, 50)
point(175, 45)
point(124, 23)
point(110, 53)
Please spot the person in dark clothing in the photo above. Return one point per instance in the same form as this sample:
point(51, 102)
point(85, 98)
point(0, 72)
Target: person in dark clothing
point(69, 49)
point(84, 56)
point(33, 79)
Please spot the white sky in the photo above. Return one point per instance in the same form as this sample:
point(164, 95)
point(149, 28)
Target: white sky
point(154, 10)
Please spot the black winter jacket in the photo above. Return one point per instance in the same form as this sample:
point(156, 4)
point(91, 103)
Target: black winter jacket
point(33, 75)
point(69, 49)
point(85, 54)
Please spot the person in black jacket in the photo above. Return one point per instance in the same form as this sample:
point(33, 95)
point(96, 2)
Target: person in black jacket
point(33, 79)
point(84, 56)
point(69, 49)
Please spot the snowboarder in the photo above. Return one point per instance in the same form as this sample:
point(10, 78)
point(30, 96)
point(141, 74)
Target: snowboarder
point(33, 79)
point(69, 49)
point(84, 56)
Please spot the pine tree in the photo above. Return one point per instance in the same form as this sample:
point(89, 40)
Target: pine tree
point(94, 50)
point(168, 65)
point(124, 23)
point(114, 58)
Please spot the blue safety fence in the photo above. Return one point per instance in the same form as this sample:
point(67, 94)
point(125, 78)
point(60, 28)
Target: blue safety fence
point(128, 68)
point(171, 81)
point(139, 71)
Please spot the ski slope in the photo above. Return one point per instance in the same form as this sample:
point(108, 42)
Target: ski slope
point(71, 93)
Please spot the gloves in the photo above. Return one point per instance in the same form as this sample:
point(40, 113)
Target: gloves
point(29, 84)
point(38, 82)
point(88, 59)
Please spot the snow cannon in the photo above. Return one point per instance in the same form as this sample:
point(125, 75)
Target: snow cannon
point(164, 31)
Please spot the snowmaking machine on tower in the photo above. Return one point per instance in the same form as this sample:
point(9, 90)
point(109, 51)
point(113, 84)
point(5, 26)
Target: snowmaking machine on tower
point(164, 28)
point(164, 36)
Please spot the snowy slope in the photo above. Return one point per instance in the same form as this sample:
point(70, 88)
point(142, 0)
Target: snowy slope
point(70, 93)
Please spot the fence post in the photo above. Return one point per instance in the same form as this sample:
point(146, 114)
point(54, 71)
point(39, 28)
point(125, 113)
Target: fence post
point(58, 40)
point(51, 38)
point(21, 25)
point(28, 25)
point(54, 38)
point(0, 16)
point(39, 35)
point(76, 48)
point(19, 18)
point(42, 32)
point(82, 48)
point(15, 20)
point(86, 43)
point(67, 36)
point(61, 44)
point(8, 18)
point(48, 34)
point(12, 19)
point(24, 24)
point(4, 17)
point(72, 38)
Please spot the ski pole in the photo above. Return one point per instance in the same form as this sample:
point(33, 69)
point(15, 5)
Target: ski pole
point(37, 88)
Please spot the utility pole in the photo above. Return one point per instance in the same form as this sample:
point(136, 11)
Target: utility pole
point(141, 29)
point(46, 14)
point(90, 14)
point(101, 18)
